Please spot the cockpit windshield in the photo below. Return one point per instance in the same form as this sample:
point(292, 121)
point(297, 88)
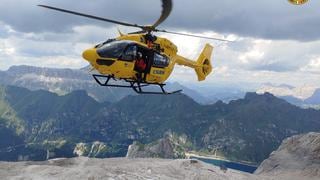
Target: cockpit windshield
point(112, 49)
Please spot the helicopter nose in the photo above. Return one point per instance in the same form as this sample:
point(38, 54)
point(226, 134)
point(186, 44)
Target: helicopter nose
point(89, 55)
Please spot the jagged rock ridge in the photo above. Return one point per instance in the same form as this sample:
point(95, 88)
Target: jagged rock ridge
point(169, 147)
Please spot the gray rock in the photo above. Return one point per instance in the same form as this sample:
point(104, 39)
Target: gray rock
point(163, 148)
point(82, 168)
point(298, 156)
point(95, 149)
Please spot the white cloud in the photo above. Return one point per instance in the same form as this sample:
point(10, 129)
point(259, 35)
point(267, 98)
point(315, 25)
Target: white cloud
point(313, 66)
point(252, 55)
point(49, 49)
point(275, 61)
point(6, 50)
point(223, 70)
point(256, 52)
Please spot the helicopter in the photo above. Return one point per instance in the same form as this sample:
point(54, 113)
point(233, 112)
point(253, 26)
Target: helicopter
point(140, 59)
point(298, 2)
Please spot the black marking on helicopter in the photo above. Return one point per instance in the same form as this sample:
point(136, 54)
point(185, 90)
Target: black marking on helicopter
point(158, 72)
point(105, 62)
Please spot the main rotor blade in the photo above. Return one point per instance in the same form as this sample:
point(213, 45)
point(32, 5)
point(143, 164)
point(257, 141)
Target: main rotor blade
point(166, 10)
point(191, 35)
point(90, 16)
point(138, 32)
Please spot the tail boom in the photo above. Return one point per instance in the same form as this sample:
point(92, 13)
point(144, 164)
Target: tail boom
point(202, 66)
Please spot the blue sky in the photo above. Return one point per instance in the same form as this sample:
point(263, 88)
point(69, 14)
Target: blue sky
point(274, 41)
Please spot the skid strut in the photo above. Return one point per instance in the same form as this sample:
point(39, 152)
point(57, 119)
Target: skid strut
point(104, 80)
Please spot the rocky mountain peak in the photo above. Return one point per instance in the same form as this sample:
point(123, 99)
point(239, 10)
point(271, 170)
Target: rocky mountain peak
point(149, 101)
point(252, 98)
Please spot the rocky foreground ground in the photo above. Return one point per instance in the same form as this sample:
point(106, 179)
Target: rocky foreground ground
point(117, 168)
point(297, 158)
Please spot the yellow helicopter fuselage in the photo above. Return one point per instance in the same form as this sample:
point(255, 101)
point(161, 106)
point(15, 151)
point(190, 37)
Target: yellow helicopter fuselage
point(163, 49)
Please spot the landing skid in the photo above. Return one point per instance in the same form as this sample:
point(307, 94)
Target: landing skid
point(104, 80)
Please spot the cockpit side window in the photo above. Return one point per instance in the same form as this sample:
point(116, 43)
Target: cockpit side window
point(160, 60)
point(130, 53)
point(112, 50)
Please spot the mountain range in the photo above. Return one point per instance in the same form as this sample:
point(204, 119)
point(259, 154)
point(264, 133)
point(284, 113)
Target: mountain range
point(247, 129)
point(306, 96)
point(63, 81)
point(302, 92)
point(312, 101)
point(60, 81)
point(315, 98)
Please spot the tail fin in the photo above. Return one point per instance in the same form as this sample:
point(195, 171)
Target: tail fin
point(204, 64)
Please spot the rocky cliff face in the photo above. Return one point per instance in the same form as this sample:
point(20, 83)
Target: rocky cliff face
point(169, 147)
point(298, 156)
point(95, 149)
